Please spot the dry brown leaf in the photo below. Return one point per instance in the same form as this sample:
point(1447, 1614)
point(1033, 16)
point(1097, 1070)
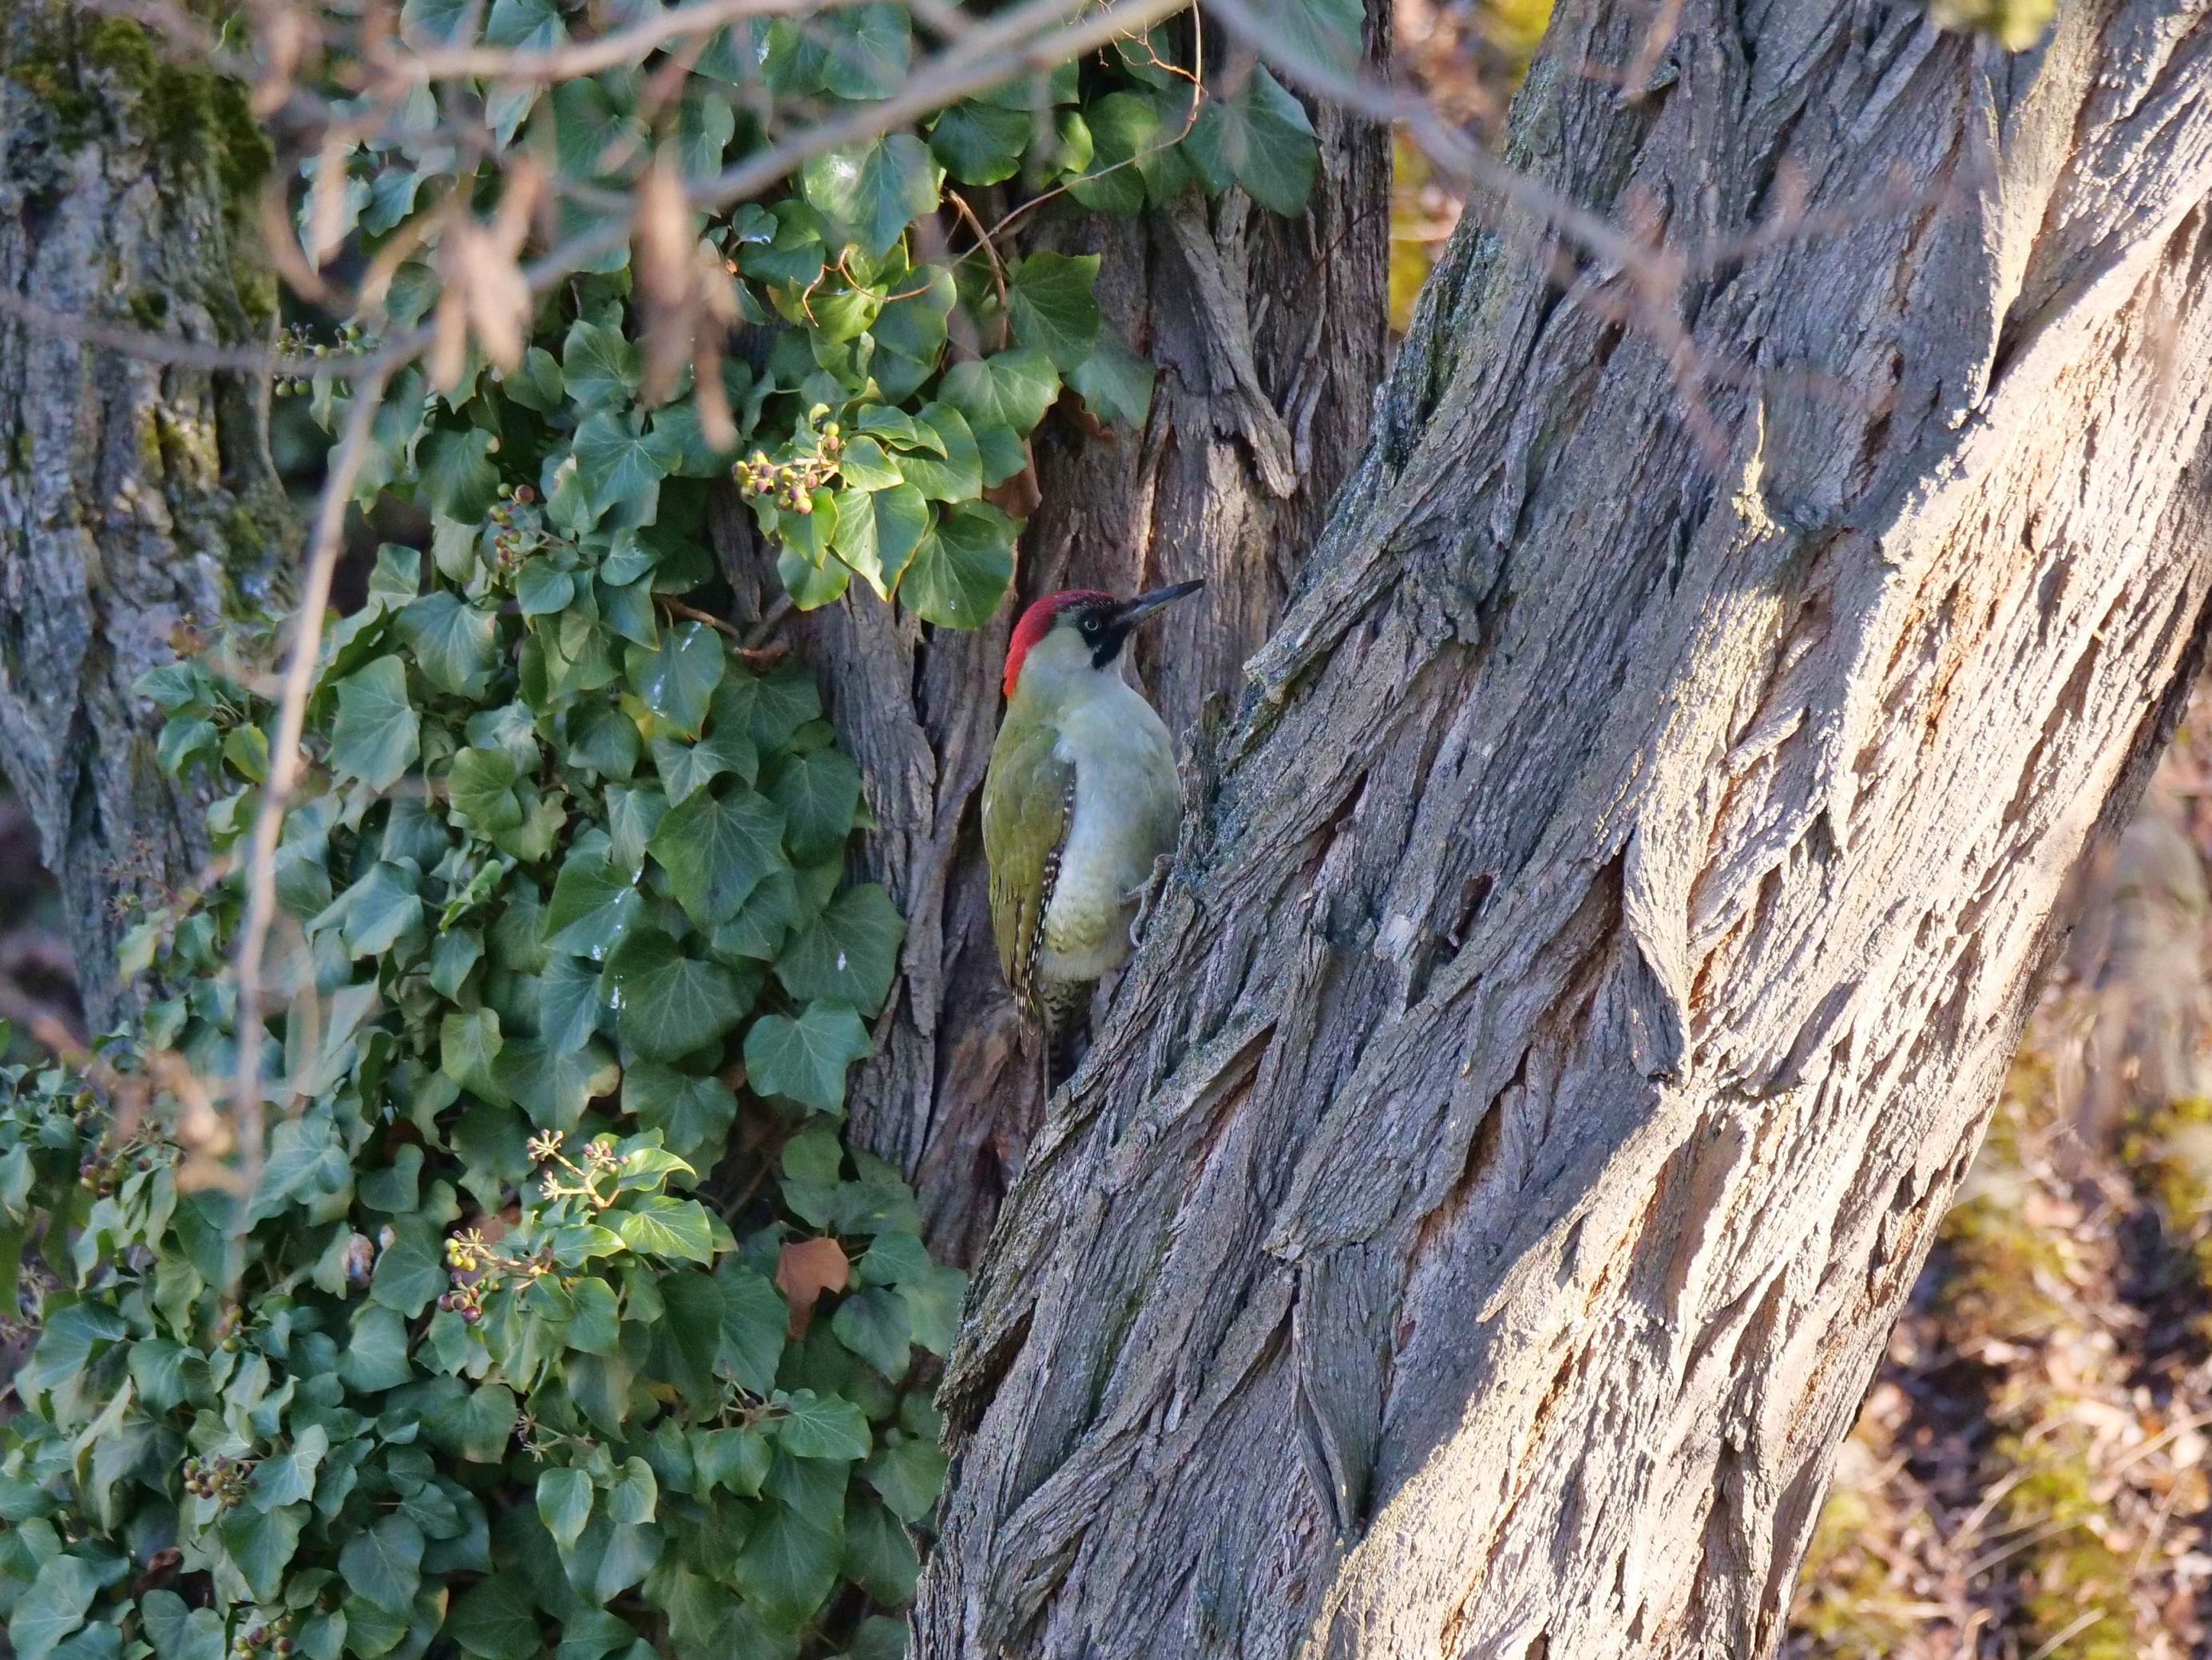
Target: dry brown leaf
point(664, 261)
point(805, 1268)
point(326, 201)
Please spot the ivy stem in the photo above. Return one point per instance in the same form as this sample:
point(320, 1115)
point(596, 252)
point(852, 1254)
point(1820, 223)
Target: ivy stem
point(983, 241)
point(759, 656)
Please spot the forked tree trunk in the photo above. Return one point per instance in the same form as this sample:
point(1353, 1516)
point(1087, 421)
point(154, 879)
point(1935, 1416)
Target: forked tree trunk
point(136, 499)
point(1268, 336)
point(1606, 930)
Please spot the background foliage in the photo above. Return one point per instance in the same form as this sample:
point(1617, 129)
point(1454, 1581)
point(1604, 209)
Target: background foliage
point(556, 1315)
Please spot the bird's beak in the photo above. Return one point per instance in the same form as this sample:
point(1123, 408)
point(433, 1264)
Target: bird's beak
point(1133, 611)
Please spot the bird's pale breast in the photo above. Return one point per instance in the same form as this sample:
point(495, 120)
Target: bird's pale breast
point(1122, 759)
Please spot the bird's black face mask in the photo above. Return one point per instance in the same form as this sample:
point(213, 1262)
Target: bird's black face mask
point(1107, 627)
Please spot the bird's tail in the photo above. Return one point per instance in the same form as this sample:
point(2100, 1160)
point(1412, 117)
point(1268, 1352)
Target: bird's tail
point(1064, 1005)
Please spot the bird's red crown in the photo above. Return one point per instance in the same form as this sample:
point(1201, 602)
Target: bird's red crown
point(1036, 622)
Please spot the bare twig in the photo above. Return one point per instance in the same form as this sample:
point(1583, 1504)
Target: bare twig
point(758, 655)
point(2074, 1628)
point(168, 347)
point(284, 763)
point(627, 45)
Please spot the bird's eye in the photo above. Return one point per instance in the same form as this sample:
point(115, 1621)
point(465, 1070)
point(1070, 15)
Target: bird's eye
point(1090, 627)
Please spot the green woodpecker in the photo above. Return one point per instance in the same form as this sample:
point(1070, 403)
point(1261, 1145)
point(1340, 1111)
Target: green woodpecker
point(1079, 802)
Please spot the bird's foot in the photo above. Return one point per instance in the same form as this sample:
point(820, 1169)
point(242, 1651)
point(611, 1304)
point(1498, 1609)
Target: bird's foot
point(1147, 894)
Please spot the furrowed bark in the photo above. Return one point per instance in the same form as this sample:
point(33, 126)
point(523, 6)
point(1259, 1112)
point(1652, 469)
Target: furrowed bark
point(136, 499)
point(1268, 336)
point(1607, 925)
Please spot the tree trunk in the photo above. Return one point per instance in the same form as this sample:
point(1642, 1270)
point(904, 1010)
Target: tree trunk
point(1269, 334)
point(136, 499)
point(1607, 926)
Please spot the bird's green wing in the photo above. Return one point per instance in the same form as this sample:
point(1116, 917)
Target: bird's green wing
point(1029, 802)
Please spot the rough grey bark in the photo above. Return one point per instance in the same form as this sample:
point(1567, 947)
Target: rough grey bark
point(135, 498)
point(1269, 334)
point(1610, 920)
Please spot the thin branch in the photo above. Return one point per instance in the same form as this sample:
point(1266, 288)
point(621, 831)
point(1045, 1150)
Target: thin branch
point(758, 655)
point(168, 347)
point(323, 546)
point(626, 45)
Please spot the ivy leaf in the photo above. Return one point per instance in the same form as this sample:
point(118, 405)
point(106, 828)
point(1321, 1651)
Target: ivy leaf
point(593, 1326)
point(1013, 389)
point(954, 471)
point(716, 849)
point(788, 1567)
point(376, 1358)
point(53, 1607)
point(564, 1503)
point(554, 1082)
point(686, 769)
point(1262, 139)
point(594, 906)
point(440, 22)
point(870, 47)
point(260, 1545)
point(615, 462)
point(377, 734)
point(1049, 297)
point(932, 1303)
point(880, 1558)
point(873, 1324)
point(811, 585)
point(878, 532)
point(535, 24)
point(288, 1478)
point(410, 1270)
point(980, 143)
point(804, 1060)
point(536, 384)
point(1121, 126)
point(469, 1042)
point(1113, 381)
point(178, 1633)
point(821, 1426)
point(497, 1619)
point(704, 127)
point(819, 793)
point(962, 568)
point(677, 678)
point(692, 1113)
point(568, 1001)
point(908, 1477)
point(383, 1566)
point(735, 1458)
point(667, 1004)
point(663, 1227)
point(480, 789)
point(874, 190)
point(456, 644)
point(478, 1426)
point(754, 1320)
point(456, 473)
point(633, 1498)
point(598, 365)
point(864, 465)
point(1326, 30)
point(632, 817)
point(782, 701)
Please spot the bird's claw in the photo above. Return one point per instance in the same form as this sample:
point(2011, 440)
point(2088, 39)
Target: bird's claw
point(1147, 895)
